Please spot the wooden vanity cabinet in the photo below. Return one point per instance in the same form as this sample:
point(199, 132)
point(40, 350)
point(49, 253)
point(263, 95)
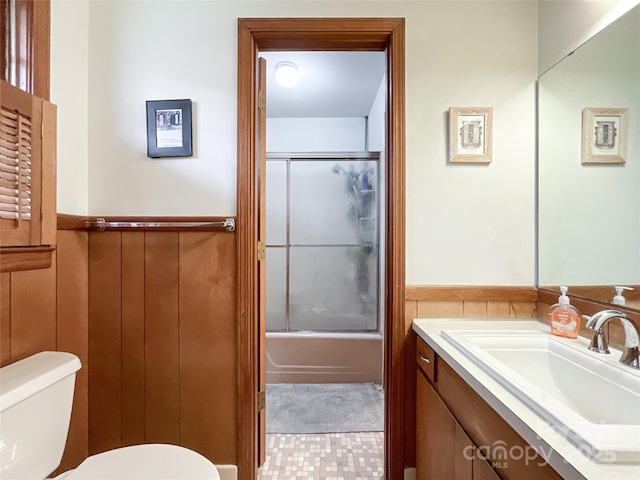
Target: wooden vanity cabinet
point(444, 449)
point(453, 420)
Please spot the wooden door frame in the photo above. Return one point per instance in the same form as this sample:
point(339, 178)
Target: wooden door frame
point(365, 34)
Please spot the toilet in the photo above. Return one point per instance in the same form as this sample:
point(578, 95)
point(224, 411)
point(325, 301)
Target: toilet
point(36, 395)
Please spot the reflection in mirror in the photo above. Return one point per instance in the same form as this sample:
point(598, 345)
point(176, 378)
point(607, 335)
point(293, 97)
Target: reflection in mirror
point(589, 214)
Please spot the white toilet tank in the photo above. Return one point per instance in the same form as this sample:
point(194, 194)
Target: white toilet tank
point(36, 395)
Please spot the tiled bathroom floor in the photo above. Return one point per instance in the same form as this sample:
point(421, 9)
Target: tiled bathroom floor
point(330, 456)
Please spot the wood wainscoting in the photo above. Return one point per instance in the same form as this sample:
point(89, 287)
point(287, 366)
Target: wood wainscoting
point(47, 309)
point(151, 315)
point(162, 341)
point(454, 301)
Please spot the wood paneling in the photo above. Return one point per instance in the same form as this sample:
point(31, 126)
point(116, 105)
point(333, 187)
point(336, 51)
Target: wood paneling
point(46, 309)
point(440, 309)
point(133, 338)
point(49, 309)
point(471, 308)
point(33, 312)
point(5, 318)
point(472, 302)
point(72, 333)
point(162, 341)
point(523, 309)
point(498, 309)
point(207, 345)
point(434, 293)
point(105, 376)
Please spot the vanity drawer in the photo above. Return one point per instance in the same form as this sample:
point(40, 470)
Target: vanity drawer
point(426, 358)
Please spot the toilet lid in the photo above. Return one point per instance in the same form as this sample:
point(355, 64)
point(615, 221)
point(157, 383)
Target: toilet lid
point(146, 462)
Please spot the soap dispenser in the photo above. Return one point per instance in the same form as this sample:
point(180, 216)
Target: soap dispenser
point(619, 298)
point(564, 317)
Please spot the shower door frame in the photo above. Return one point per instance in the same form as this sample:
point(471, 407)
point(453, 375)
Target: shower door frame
point(331, 156)
point(352, 34)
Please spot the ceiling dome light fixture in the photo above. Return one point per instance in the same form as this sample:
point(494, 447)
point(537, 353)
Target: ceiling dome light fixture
point(287, 74)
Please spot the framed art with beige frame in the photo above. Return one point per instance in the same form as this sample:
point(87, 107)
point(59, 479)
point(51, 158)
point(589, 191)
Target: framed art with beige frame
point(604, 135)
point(470, 132)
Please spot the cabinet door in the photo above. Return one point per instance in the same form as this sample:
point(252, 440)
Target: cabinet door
point(482, 470)
point(443, 449)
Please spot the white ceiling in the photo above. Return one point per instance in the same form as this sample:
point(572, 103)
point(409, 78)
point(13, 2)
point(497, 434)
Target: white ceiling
point(331, 84)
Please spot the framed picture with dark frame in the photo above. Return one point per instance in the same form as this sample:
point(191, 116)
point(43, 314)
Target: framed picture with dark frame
point(169, 128)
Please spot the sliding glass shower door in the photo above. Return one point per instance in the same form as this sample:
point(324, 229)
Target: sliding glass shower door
point(322, 243)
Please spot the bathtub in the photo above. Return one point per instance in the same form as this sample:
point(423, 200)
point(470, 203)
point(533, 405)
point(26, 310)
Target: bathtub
point(317, 357)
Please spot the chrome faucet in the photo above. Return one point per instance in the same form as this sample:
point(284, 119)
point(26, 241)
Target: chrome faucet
point(630, 355)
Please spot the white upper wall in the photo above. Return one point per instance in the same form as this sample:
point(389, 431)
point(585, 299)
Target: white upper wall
point(472, 224)
point(466, 224)
point(564, 25)
point(69, 91)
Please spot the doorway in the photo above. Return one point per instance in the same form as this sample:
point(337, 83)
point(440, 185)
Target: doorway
point(324, 398)
point(319, 34)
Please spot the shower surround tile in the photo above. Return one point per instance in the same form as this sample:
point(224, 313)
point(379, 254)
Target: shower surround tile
point(331, 456)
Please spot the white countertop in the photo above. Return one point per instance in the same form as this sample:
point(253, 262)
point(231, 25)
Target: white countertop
point(550, 444)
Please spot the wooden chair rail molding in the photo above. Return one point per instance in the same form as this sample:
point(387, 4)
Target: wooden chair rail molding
point(71, 222)
point(477, 301)
point(434, 293)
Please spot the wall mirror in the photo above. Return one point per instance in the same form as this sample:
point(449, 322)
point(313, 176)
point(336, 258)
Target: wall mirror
point(589, 213)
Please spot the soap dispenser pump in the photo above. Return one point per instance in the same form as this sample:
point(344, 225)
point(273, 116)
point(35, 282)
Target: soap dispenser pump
point(564, 318)
point(619, 298)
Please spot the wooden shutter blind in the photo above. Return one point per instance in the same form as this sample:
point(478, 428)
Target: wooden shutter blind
point(26, 174)
point(15, 166)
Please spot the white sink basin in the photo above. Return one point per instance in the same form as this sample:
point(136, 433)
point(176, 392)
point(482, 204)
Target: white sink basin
point(589, 398)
